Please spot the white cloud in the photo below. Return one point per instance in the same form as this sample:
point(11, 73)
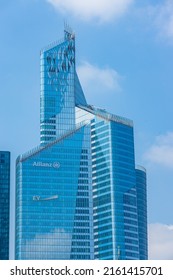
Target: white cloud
point(162, 16)
point(102, 10)
point(98, 81)
point(160, 242)
point(161, 152)
point(164, 19)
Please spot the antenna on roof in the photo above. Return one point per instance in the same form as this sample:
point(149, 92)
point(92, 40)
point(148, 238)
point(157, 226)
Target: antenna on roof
point(68, 31)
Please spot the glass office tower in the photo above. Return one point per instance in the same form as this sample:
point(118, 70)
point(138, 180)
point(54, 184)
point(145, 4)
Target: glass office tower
point(76, 193)
point(4, 204)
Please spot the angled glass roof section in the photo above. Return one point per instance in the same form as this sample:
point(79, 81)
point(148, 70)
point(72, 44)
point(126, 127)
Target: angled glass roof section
point(40, 148)
point(79, 94)
point(102, 113)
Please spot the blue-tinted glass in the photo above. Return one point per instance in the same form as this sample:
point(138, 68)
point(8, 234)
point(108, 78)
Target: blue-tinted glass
point(4, 204)
point(142, 212)
point(77, 193)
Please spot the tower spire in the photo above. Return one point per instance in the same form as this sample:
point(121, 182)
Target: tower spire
point(68, 31)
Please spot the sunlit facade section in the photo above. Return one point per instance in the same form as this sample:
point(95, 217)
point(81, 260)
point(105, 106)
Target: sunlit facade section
point(54, 200)
point(114, 191)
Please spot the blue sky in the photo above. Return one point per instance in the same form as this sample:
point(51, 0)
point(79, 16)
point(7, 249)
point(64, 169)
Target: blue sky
point(124, 59)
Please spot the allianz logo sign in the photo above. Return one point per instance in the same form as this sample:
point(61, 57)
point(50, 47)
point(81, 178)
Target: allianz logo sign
point(46, 164)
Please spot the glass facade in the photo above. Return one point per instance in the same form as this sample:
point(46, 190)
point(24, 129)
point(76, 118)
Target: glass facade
point(142, 211)
point(55, 198)
point(4, 204)
point(114, 191)
point(76, 195)
point(58, 80)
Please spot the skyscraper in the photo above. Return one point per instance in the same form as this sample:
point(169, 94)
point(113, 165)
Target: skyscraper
point(4, 204)
point(76, 193)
